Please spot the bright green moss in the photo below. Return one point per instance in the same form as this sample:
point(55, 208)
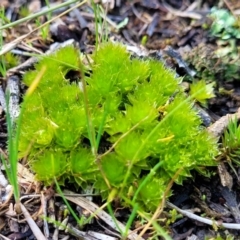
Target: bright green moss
point(82, 166)
point(135, 105)
point(10, 60)
point(48, 164)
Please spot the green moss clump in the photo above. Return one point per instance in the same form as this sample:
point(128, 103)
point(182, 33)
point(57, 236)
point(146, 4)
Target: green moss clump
point(138, 111)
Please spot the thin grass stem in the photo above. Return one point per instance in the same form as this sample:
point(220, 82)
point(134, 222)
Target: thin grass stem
point(38, 14)
point(151, 134)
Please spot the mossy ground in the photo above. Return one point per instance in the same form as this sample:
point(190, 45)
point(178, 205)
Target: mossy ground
point(181, 32)
point(138, 106)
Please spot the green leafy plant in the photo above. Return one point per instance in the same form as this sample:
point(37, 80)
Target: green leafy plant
point(11, 165)
point(6, 61)
point(224, 25)
point(13, 130)
point(231, 142)
point(101, 27)
point(24, 11)
point(44, 31)
point(122, 125)
point(202, 91)
point(225, 28)
point(3, 70)
point(10, 60)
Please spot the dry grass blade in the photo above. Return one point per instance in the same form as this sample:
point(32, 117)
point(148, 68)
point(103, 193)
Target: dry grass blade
point(9, 46)
point(5, 238)
point(161, 205)
point(90, 206)
point(220, 125)
point(31, 61)
point(202, 219)
point(35, 229)
point(217, 130)
point(185, 14)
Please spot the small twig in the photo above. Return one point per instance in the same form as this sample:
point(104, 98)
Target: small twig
point(82, 22)
point(51, 210)
point(28, 63)
point(217, 128)
point(21, 53)
point(29, 48)
point(185, 14)
point(5, 238)
point(35, 229)
point(66, 238)
point(14, 91)
point(138, 15)
point(77, 233)
point(107, 230)
point(92, 16)
point(9, 46)
point(44, 209)
point(22, 20)
point(90, 206)
point(2, 99)
point(202, 219)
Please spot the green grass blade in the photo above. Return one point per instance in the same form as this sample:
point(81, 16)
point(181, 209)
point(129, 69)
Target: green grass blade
point(130, 220)
point(13, 150)
point(146, 180)
point(38, 14)
point(110, 210)
point(67, 204)
point(152, 132)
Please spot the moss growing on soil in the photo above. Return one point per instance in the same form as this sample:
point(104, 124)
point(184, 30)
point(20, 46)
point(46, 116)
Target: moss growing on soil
point(109, 124)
